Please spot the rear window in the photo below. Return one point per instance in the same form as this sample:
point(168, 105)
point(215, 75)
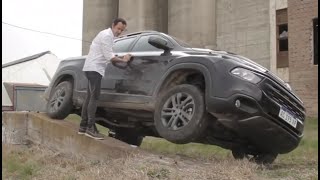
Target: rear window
point(123, 45)
point(181, 43)
point(143, 45)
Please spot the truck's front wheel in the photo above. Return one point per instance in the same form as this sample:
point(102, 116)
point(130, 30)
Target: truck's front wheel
point(180, 115)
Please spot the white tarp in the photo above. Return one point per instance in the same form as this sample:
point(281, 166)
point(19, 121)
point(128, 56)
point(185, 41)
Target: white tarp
point(35, 71)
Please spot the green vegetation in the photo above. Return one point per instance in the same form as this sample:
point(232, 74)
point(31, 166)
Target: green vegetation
point(308, 147)
point(191, 150)
point(17, 165)
point(304, 159)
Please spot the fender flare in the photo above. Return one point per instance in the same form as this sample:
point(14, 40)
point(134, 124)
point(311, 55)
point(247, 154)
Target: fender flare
point(62, 75)
point(195, 66)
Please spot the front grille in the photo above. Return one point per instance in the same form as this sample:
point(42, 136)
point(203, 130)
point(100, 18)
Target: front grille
point(274, 93)
point(283, 98)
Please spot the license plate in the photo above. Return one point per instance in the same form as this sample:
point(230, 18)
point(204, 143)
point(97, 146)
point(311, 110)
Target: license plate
point(288, 117)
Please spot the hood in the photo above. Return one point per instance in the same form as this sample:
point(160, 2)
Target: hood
point(227, 55)
point(247, 62)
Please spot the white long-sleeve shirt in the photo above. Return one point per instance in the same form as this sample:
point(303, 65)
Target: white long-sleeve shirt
point(100, 53)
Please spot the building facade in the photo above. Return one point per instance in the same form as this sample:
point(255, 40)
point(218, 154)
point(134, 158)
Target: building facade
point(303, 51)
point(258, 29)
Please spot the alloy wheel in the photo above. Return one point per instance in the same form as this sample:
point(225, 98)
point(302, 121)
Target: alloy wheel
point(177, 111)
point(57, 99)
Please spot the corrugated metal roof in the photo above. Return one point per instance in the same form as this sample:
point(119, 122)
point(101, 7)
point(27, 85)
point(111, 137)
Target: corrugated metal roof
point(29, 58)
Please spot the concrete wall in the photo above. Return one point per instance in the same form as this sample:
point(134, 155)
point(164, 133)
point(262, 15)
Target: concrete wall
point(193, 21)
point(97, 16)
point(244, 28)
point(144, 14)
point(303, 74)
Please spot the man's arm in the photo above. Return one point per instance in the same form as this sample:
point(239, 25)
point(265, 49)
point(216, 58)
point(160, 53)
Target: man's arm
point(107, 51)
point(125, 58)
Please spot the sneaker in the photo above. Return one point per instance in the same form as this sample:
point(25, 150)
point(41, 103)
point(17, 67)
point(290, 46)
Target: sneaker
point(93, 133)
point(82, 130)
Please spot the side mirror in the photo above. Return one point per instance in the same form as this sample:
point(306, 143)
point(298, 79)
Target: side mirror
point(161, 44)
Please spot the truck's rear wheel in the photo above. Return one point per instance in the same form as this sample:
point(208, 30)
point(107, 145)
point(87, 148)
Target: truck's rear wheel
point(60, 103)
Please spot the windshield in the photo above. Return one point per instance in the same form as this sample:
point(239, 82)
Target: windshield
point(181, 43)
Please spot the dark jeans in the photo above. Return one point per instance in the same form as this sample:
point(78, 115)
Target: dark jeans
point(89, 106)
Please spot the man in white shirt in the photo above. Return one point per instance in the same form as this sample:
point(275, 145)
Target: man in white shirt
point(99, 56)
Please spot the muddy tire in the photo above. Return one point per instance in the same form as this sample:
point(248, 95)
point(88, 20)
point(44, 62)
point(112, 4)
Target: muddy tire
point(265, 158)
point(262, 158)
point(180, 115)
point(238, 154)
point(127, 135)
point(60, 103)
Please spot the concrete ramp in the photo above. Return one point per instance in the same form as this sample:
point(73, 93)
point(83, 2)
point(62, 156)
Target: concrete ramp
point(23, 127)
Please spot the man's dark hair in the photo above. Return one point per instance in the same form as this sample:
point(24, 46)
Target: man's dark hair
point(117, 20)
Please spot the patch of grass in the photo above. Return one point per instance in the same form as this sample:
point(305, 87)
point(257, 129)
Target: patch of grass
point(162, 146)
point(11, 165)
point(161, 173)
point(14, 165)
point(301, 163)
point(308, 147)
point(70, 178)
point(29, 169)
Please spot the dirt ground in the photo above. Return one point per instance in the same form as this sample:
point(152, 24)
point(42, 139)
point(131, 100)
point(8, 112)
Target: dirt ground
point(50, 164)
point(39, 162)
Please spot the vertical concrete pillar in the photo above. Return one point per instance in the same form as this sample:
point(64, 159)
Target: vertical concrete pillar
point(14, 128)
point(144, 14)
point(273, 36)
point(97, 15)
point(274, 6)
point(193, 21)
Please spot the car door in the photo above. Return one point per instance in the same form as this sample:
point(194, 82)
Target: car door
point(146, 68)
point(114, 76)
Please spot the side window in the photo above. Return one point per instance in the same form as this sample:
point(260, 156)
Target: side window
point(143, 45)
point(282, 38)
point(315, 41)
point(122, 45)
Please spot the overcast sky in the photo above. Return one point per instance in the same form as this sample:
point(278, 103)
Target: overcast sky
point(61, 17)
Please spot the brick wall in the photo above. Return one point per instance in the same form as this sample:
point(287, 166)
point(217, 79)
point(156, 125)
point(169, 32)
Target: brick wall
point(243, 27)
point(303, 74)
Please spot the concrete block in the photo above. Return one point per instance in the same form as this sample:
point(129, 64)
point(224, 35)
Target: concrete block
point(21, 127)
point(63, 135)
point(14, 128)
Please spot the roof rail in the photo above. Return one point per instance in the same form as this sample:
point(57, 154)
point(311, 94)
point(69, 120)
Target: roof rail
point(136, 33)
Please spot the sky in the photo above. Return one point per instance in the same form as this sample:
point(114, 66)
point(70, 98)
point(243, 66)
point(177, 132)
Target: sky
point(60, 17)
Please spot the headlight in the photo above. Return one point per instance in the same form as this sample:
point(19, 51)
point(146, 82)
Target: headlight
point(288, 86)
point(246, 74)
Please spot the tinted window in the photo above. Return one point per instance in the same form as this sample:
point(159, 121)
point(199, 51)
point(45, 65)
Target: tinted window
point(315, 40)
point(122, 45)
point(143, 45)
point(181, 43)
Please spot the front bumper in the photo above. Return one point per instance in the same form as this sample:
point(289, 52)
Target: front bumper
point(257, 120)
